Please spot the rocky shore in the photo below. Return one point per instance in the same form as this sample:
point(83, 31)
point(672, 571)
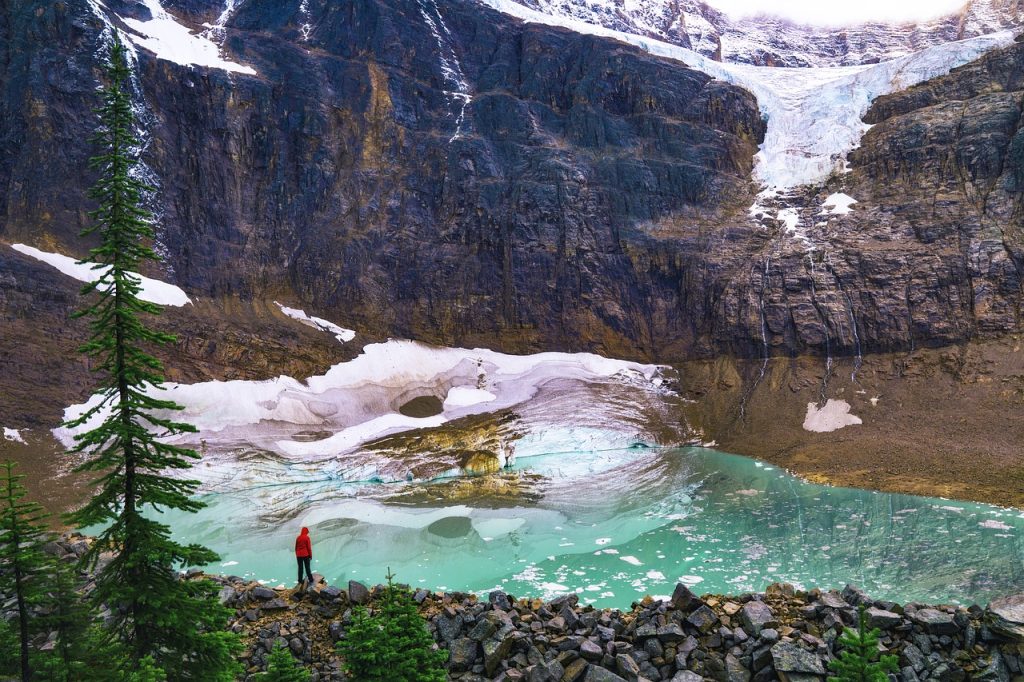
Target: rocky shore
point(784, 633)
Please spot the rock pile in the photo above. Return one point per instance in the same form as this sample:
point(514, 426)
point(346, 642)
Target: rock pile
point(783, 634)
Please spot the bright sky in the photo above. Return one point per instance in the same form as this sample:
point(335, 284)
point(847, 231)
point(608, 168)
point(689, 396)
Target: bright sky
point(836, 12)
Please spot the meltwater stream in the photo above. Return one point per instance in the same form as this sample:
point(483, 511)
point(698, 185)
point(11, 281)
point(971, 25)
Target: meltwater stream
point(618, 524)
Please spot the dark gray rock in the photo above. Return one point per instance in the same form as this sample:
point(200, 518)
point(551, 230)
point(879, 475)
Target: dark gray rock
point(884, 620)
point(358, 593)
point(462, 653)
point(934, 622)
point(755, 616)
point(704, 619)
point(599, 674)
point(790, 658)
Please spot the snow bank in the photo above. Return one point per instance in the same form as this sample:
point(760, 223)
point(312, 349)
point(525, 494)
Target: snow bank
point(814, 114)
point(359, 400)
point(340, 333)
point(153, 290)
point(167, 39)
point(837, 204)
point(13, 435)
point(833, 416)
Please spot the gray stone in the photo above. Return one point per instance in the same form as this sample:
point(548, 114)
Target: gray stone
point(226, 595)
point(262, 593)
point(598, 674)
point(495, 651)
point(735, 670)
point(1006, 617)
point(703, 619)
point(546, 672)
point(687, 676)
point(832, 600)
point(671, 633)
point(358, 593)
point(912, 657)
point(995, 671)
point(277, 604)
point(482, 630)
point(882, 619)
point(935, 622)
point(626, 666)
point(755, 616)
point(590, 651)
point(684, 599)
point(790, 658)
point(462, 653)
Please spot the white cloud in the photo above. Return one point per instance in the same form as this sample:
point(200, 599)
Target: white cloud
point(835, 13)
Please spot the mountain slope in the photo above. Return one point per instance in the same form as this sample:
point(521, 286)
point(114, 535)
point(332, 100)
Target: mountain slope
point(770, 41)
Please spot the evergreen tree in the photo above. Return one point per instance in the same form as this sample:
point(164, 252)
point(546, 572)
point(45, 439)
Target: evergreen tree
point(392, 644)
point(9, 647)
point(157, 614)
point(857, 662)
point(69, 616)
point(22, 561)
point(282, 667)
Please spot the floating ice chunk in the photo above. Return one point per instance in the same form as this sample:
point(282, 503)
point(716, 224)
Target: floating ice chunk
point(837, 204)
point(340, 333)
point(602, 541)
point(467, 396)
point(655, 575)
point(689, 580)
point(13, 435)
point(834, 415)
point(153, 290)
point(631, 560)
point(996, 525)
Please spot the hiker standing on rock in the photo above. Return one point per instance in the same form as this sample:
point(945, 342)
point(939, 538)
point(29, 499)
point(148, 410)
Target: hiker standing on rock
point(304, 553)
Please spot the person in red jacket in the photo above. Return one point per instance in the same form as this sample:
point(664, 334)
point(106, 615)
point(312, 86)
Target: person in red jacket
point(304, 553)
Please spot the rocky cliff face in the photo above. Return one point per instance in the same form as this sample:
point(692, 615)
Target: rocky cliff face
point(443, 172)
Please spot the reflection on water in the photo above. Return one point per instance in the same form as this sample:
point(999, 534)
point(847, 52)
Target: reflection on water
point(614, 525)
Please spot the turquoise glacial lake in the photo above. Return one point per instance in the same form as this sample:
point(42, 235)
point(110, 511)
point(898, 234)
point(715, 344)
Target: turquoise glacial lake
point(615, 525)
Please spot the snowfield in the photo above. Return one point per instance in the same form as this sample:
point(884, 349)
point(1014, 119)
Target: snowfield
point(814, 114)
point(169, 40)
point(153, 290)
point(340, 333)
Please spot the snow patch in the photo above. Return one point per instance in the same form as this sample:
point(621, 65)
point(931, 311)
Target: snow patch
point(169, 40)
point(340, 333)
point(837, 204)
point(996, 525)
point(152, 290)
point(833, 416)
point(466, 396)
point(13, 435)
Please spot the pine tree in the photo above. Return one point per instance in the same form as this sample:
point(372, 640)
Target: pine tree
point(856, 663)
point(156, 613)
point(69, 616)
point(22, 560)
point(282, 667)
point(392, 644)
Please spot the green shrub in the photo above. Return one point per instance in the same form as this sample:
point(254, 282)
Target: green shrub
point(857, 662)
point(391, 644)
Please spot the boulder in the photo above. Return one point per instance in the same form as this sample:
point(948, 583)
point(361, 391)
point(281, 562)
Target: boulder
point(1005, 617)
point(358, 593)
point(703, 619)
point(755, 616)
point(462, 653)
point(599, 674)
point(790, 658)
point(935, 622)
point(684, 599)
point(882, 619)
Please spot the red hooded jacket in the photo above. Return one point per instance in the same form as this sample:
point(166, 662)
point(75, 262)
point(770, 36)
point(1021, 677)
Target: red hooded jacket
point(303, 547)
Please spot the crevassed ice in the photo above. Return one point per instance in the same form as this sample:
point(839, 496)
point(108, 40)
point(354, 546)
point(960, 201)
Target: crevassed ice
point(153, 290)
point(814, 114)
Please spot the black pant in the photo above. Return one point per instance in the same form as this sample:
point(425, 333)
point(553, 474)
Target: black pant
point(303, 562)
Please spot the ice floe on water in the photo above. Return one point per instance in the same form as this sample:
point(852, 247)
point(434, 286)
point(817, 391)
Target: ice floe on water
point(340, 333)
point(168, 39)
point(833, 415)
point(152, 290)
